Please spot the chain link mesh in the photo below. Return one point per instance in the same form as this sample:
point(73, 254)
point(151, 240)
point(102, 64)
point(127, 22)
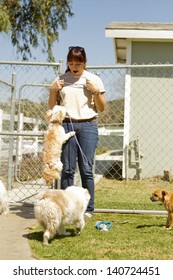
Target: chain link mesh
point(135, 130)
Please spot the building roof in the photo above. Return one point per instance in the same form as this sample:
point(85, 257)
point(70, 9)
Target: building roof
point(136, 31)
point(140, 25)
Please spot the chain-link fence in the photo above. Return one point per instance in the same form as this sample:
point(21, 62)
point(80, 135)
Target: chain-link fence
point(23, 103)
point(135, 130)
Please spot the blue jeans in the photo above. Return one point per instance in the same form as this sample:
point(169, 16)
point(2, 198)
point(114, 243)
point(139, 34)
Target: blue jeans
point(81, 148)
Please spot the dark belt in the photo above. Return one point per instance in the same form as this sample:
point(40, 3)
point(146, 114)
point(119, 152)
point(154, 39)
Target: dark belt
point(94, 119)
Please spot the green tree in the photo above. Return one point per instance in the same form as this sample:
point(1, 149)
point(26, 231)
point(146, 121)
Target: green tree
point(34, 23)
point(4, 20)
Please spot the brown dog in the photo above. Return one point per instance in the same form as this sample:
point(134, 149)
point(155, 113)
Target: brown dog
point(167, 199)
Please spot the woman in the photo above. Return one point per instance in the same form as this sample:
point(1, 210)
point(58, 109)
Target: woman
point(82, 94)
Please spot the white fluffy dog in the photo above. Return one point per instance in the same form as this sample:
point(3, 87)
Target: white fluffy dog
point(54, 138)
point(4, 201)
point(55, 209)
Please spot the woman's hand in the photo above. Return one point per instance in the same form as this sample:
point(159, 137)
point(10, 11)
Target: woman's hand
point(91, 86)
point(55, 87)
point(58, 85)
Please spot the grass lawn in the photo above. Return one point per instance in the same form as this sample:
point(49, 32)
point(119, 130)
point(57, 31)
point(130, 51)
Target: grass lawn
point(132, 237)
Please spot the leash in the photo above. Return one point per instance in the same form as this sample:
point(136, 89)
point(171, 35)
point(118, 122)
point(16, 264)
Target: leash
point(84, 158)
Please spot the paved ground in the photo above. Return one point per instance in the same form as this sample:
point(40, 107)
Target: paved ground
point(13, 234)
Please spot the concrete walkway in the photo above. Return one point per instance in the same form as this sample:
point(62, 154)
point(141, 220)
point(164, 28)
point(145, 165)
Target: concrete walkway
point(13, 234)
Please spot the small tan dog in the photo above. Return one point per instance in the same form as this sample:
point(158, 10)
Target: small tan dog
point(54, 138)
point(167, 199)
point(55, 209)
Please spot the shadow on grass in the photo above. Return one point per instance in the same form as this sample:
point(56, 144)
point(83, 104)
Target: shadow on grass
point(38, 236)
point(151, 225)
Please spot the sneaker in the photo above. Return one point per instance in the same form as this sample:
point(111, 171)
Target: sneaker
point(87, 215)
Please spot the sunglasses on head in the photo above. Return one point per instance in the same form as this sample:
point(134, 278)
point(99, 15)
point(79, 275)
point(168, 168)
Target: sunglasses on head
point(76, 47)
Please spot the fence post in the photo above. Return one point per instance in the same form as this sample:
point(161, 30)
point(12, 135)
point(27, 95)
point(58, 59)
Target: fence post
point(20, 141)
point(11, 139)
point(60, 66)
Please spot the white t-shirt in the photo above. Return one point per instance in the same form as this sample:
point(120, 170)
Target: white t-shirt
point(78, 101)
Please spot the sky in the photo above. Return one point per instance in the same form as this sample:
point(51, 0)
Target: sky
point(87, 28)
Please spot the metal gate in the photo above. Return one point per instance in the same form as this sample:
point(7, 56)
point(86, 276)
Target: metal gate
point(23, 126)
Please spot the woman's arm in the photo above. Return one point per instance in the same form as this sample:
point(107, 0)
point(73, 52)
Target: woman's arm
point(99, 98)
point(99, 101)
point(54, 89)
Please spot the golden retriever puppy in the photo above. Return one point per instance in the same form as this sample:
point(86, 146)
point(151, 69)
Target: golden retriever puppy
point(55, 209)
point(54, 138)
point(167, 199)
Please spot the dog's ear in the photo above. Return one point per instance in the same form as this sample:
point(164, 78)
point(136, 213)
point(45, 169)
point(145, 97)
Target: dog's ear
point(164, 193)
point(48, 115)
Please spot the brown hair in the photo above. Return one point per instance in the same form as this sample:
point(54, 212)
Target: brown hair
point(77, 54)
